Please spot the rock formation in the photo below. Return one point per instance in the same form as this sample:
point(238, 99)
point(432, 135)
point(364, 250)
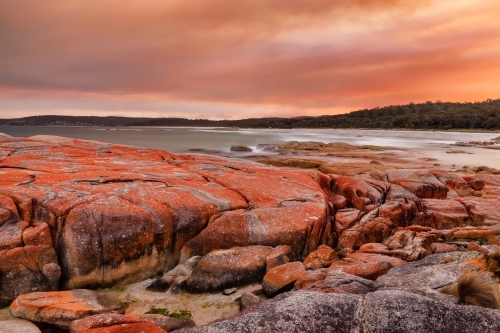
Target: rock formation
point(83, 214)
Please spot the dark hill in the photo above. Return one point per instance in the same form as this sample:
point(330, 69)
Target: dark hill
point(430, 115)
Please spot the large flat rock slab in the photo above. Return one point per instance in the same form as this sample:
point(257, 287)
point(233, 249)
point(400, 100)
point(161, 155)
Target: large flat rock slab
point(62, 307)
point(119, 214)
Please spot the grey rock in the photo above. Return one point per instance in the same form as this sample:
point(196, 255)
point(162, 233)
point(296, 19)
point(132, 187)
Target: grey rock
point(167, 323)
point(399, 311)
point(434, 271)
point(240, 148)
point(249, 300)
point(294, 312)
point(221, 269)
point(335, 282)
point(18, 326)
point(394, 311)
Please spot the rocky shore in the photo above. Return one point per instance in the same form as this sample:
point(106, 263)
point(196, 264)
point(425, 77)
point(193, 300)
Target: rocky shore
point(351, 247)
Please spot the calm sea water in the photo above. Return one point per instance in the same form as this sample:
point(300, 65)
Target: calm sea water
point(174, 139)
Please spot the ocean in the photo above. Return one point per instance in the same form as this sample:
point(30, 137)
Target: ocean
point(432, 144)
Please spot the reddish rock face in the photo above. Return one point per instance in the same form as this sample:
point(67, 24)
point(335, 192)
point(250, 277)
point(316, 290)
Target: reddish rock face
point(443, 214)
point(331, 281)
point(322, 257)
point(27, 269)
point(278, 256)
point(38, 234)
point(120, 214)
point(437, 248)
point(222, 269)
point(62, 307)
point(422, 183)
point(282, 278)
point(366, 265)
point(113, 322)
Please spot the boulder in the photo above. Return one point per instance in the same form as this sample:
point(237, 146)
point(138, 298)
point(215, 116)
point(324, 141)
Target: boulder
point(443, 214)
point(89, 199)
point(18, 326)
point(331, 281)
point(437, 248)
point(401, 311)
point(483, 211)
point(282, 278)
point(294, 312)
point(366, 265)
point(454, 182)
point(421, 189)
point(411, 243)
point(223, 269)
point(112, 322)
point(278, 256)
point(422, 183)
point(322, 257)
point(381, 311)
point(38, 234)
point(27, 269)
point(434, 271)
point(240, 148)
point(359, 192)
point(60, 308)
point(298, 226)
point(368, 230)
point(11, 234)
point(249, 300)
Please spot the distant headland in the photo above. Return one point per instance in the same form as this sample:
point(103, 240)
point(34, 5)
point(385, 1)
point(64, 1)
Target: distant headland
point(437, 115)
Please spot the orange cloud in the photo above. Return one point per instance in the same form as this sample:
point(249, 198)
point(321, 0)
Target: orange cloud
point(174, 58)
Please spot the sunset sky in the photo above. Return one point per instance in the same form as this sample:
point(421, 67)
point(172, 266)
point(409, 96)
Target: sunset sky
point(228, 59)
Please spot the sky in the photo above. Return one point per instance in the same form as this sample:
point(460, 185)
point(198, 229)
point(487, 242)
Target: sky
point(227, 59)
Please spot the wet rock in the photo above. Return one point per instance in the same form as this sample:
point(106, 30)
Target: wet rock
point(249, 300)
point(60, 308)
point(366, 265)
point(282, 278)
point(322, 257)
point(240, 148)
point(27, 269)
point(292, 162)
point(223, 269)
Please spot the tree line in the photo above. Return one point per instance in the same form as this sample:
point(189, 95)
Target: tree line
point(430, 115)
